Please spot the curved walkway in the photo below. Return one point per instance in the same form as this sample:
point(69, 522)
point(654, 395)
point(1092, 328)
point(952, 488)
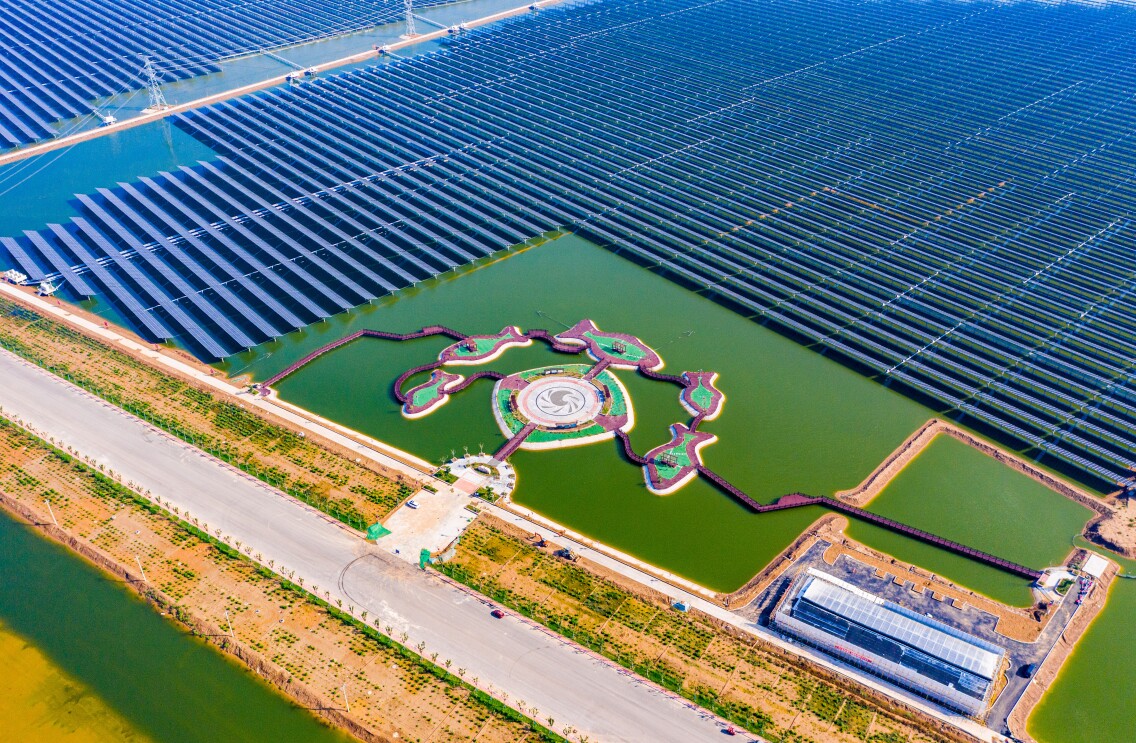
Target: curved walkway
point(792, 500)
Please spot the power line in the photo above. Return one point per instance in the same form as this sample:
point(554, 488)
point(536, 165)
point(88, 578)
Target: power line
point(153, 86)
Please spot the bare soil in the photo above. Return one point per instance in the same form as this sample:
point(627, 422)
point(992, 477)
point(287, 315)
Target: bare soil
point(757, 686)
point(294, 643)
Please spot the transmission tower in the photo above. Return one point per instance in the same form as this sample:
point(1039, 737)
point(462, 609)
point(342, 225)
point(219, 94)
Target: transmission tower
point(153, 86)
point(410, 31)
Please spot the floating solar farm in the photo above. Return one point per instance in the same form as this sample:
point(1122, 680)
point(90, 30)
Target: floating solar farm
point(60, 56)
point(939, 193)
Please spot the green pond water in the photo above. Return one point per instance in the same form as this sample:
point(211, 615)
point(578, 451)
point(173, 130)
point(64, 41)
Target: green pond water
point(1089, 702)
point(960, 493)
point(793, 421)
point(166, 685)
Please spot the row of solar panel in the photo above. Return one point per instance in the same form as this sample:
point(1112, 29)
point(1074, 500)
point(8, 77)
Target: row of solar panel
point(937, 191)
point(58, 58)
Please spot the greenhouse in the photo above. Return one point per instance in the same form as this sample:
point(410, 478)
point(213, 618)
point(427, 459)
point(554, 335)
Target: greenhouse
point(910, 650)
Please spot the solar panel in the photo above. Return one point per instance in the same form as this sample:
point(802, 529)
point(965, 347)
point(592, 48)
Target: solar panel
point(56, 61)
point(938, 195)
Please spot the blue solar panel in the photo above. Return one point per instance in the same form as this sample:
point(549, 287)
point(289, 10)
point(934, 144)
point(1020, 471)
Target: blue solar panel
point(58, 57)
point(937, 192)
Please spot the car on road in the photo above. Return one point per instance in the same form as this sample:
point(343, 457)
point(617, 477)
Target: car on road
point(411, 504)
point(497, 614)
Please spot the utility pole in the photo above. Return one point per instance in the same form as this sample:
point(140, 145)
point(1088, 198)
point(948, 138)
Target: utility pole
point(153, 86)
point(141, 569)
point(231, 633)
point(410, 30)
point(45, 500)
point(345, 700)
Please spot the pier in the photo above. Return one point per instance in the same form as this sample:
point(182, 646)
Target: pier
point(514, 443)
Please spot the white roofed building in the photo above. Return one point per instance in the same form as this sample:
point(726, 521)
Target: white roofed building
point(936, 661)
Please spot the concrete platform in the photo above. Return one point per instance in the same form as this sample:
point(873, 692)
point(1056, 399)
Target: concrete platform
point(438, 520)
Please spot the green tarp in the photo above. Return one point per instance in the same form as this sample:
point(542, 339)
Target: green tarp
point(376, 531)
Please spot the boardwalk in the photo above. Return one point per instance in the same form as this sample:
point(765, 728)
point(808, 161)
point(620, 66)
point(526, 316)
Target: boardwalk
point(686, 381)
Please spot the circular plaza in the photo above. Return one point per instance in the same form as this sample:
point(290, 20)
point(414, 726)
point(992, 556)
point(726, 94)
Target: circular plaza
point(562, 406)
point(557, 401)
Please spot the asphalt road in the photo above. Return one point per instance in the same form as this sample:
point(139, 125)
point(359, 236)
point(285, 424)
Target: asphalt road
point(509, 656)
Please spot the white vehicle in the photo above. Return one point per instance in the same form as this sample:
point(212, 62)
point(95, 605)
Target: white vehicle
point(411, 504)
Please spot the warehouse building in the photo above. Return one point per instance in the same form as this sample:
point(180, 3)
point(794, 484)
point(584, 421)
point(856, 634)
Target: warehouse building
point(941, 663)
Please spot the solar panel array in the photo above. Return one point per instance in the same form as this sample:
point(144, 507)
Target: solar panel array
point(58, 56)
point(939, 192)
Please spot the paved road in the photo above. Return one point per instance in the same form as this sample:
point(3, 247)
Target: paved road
point(626, 565)
point(512, 656)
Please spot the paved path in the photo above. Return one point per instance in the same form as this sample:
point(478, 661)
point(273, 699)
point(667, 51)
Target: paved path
point(510, 656)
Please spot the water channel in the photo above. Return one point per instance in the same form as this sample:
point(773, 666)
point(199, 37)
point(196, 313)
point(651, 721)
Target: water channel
point(86, 661)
